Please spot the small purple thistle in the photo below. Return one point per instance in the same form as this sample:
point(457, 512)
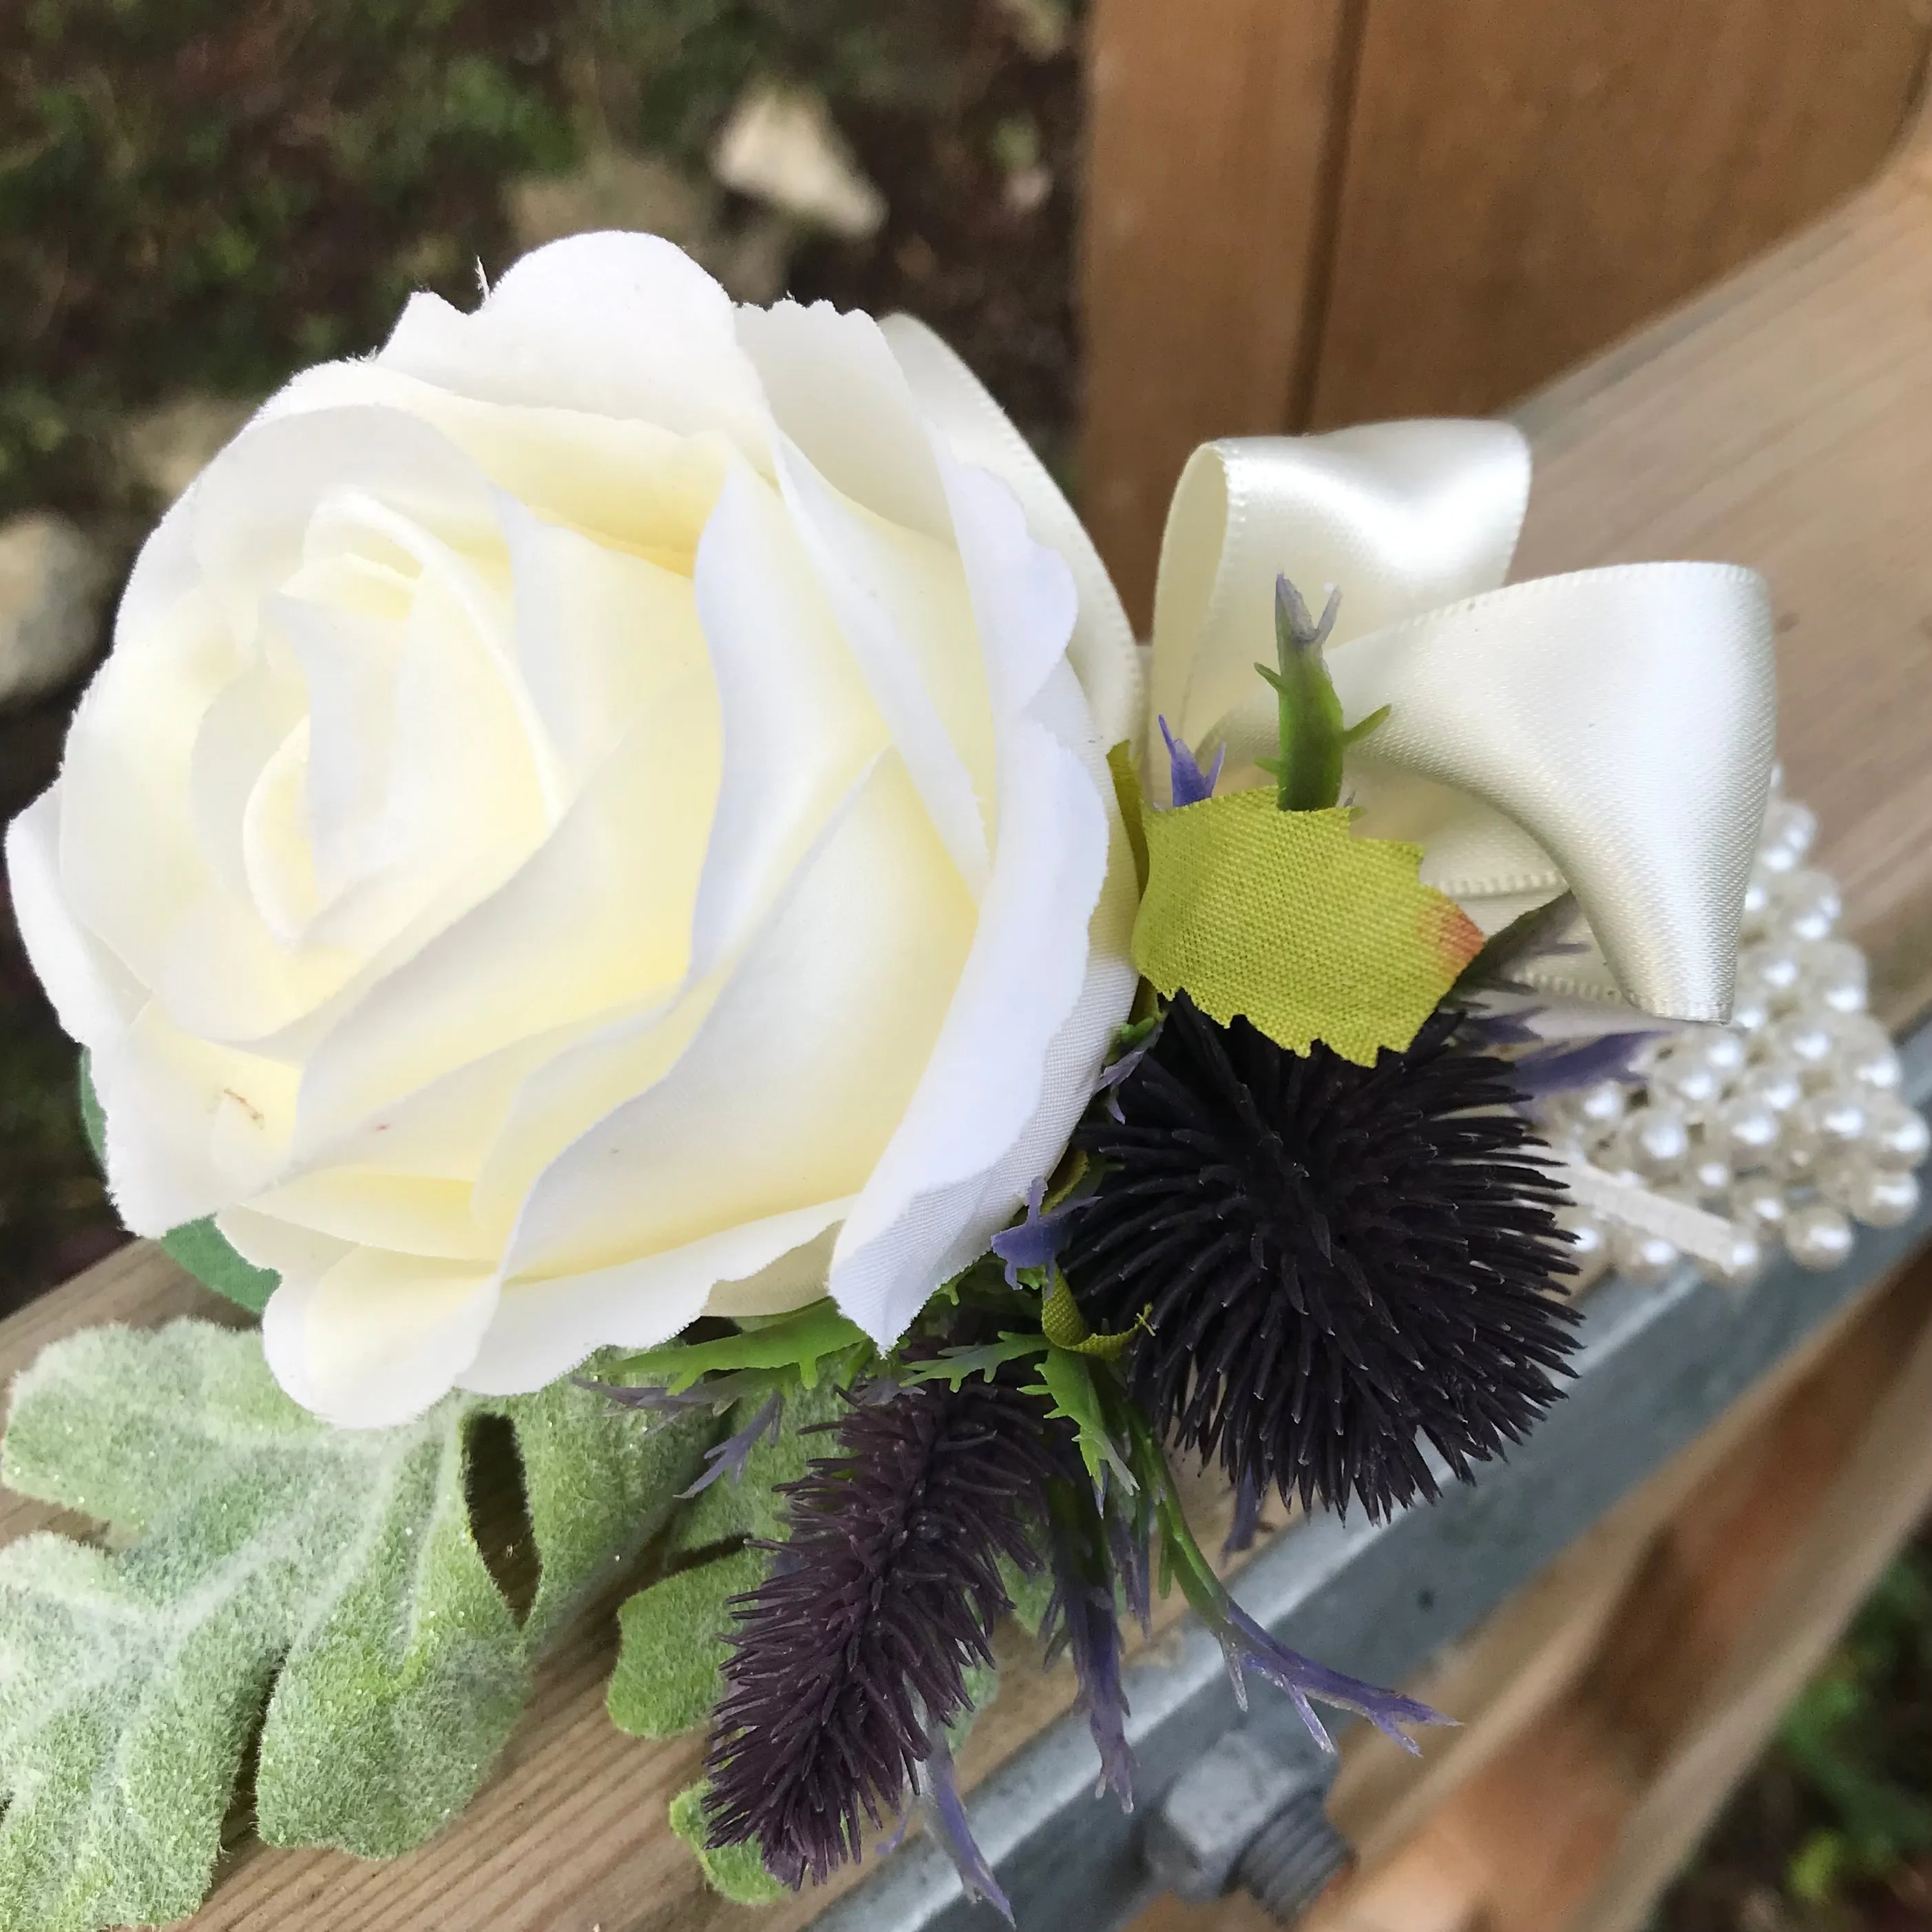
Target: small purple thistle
point(716, 1393)
point(1129, 1539)
point(1081, 1619)
point(1241, 1533)
point(1189, 784)
point(729, 1457)
point(1245, 1644)
point(937, 1795)
point(1037, 1239)
point(1116, 1074)
point(1557, 1069)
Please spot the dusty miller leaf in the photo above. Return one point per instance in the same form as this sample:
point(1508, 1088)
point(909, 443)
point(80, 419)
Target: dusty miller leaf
point(266, 1554)
point(671, 1654)
point(199, 1246)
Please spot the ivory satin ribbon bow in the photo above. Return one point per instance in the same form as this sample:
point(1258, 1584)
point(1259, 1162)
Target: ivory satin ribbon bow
point(1609, 730)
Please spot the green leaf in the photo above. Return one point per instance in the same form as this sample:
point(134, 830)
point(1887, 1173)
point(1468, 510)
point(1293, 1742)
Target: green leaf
point(739, 1870)
point(261, 1553)
point(671, 1651)
point(199, 1246)
point(670, 1660)
point(1289, 919)
point(800, 1341)
point(953, 1367)
point(1308, 727)
point(1067, 1380)
point(1063, 1324)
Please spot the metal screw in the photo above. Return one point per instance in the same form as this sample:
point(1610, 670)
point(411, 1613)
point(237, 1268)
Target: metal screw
point(1242, 1816)
point(1292, 1858)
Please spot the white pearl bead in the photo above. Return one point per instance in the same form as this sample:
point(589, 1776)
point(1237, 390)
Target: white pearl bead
point(1602, 1105)
point(1746, 1129)
point(1742, 1266)
point(1776, 1087)
point(1896, 1135)
point(1655, 1140)
point(1789, 826)
point(1775, 859)
point(1751, 1013)
point(1835, 974)
point(1801, 1042)
point(1757, 905)
point(1761, 1203)
point(1723, 1053)
point(1817, 1235)
point(1709, 1176)
point(1771, 970)
point(1880, 1197)
point(1646, 1259)
point(1836, 1119)
point(1684, 1076)
point(1865, 1052)
point(1806, 904)
point(1798, 1148)
point(1589, 1248)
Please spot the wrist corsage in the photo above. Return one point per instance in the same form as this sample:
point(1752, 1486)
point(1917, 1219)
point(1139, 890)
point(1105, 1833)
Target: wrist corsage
point(624, 890)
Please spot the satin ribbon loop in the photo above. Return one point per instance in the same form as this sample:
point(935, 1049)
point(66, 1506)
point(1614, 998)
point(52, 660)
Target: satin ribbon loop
point(1609, 730)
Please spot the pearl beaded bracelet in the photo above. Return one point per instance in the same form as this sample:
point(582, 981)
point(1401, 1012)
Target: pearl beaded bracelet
point(1783, 1128)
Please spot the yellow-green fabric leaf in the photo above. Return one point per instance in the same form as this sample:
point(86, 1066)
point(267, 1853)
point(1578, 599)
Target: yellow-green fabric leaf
point(1133, 808)
point(1287, 918)
point(261, 1555)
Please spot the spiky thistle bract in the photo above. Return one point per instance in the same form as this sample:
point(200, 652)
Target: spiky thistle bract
point(850, 1661)
point(1335, 1263)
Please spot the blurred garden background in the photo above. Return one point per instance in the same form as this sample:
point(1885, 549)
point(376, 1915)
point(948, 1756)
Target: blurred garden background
point(199, 196)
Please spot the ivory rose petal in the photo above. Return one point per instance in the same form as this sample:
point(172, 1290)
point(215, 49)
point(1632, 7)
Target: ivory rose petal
point(596, 815)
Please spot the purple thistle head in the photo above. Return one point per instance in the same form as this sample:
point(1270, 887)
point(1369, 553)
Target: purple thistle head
point(1190, 784)
point(1039, 1238)
point(849, 1661)
point(1335, 1263)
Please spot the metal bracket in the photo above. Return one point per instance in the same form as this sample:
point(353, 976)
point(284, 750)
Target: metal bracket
point(1242, 1816)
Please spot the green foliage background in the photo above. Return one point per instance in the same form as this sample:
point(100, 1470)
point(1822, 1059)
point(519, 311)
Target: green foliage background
point(207, 194)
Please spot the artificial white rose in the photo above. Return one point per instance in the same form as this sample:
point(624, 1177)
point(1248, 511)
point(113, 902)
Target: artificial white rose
point(596, 815)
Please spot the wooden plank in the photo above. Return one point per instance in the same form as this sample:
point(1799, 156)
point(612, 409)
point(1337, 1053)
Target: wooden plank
point(1209, 128)
point(568, 1834)
point(1785, 420)
point(1766, 1549)
point(1879, 1493)
point(1527, 180)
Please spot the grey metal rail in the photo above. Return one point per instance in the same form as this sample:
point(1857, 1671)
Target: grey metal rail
point(1656, 1367)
